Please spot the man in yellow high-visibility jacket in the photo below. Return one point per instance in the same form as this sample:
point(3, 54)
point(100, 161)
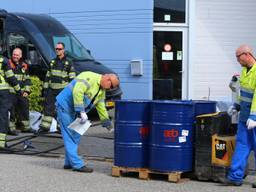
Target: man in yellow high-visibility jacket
point(246, 133)
point(86, 91)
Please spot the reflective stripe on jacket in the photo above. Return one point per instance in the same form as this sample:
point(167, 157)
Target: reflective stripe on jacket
point(7, 77)
point(78, 95)
point(61, 72)
point(247, 94)
point(21, 73)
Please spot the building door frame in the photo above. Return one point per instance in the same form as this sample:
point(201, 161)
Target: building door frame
point(185, 67)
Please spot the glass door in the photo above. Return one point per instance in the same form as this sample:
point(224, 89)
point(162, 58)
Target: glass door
point(168, 65)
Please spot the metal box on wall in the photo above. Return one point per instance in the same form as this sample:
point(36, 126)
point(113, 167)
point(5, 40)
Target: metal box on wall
point(136, 67)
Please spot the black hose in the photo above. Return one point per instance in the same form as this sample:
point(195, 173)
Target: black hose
point(22, 151)
point(22, 139)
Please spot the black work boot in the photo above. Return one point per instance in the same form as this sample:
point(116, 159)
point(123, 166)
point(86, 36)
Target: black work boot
point(27, 131)
point(84, 169)
point(13, 132)
point(67, 167)
point(228, 182)
point(41, 130)
point(254, 185)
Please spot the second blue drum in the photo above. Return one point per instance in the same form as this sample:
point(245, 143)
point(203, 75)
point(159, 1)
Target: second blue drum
point(171, 136)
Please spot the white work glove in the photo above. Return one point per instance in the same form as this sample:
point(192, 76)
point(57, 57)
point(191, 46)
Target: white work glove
point(233, 83)
point(251, 124)
point(83, 117)
point(231, 110)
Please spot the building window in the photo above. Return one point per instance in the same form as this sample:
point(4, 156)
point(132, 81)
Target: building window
point(169, 11)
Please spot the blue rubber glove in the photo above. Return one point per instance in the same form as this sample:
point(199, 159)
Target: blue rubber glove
point(108, 125)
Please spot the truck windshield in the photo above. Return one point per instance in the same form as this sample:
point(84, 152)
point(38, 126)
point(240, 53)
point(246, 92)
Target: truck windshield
point(44, 27)
point(73, 47)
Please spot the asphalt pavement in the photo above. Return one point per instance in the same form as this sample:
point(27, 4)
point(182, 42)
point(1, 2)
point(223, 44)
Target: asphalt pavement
point(28, 173)
point(41, 174)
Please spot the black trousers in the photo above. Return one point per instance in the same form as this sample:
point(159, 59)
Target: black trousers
point(19, 110)
point(49, 103)
point(49, 109)
point(4, 108)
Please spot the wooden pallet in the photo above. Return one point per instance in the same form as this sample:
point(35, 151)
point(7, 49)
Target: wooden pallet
point(146, 173)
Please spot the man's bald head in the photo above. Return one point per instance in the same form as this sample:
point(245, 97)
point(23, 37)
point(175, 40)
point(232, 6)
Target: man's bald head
point(109, 81)
point(244, 49)
point(114, 80)
point(244, 56)
point(16, 55)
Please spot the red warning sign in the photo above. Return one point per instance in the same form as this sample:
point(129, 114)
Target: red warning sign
point(167, 47)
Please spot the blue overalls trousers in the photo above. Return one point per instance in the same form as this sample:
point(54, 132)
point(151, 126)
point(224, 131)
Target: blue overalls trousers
point(66, 114)
point(245, 142)
point(70, 137)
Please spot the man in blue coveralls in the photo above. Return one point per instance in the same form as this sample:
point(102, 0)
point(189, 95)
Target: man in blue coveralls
point(86, 91)
point(246, 133)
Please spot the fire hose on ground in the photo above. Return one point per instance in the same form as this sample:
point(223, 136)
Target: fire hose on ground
point(29, 149)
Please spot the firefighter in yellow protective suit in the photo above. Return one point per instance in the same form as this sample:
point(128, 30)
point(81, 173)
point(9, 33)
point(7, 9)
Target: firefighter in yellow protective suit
point(246, 133)
point(6, 76)
point(86, 91)
point(60, 73)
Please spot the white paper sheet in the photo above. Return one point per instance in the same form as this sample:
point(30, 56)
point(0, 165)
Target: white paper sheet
point(182, 139)
point(78, 127)
point(53, 127)
point(185, 132)
point(167, 56)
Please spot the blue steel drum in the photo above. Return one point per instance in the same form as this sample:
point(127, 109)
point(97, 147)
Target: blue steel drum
point(204, 107)
point(132, 124)
point(171, 136)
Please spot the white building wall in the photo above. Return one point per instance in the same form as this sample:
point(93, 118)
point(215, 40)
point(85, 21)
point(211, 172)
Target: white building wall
point(220, 27)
